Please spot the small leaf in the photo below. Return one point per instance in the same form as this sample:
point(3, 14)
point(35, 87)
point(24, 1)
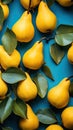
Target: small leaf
point(57, 53)
point(47, 71)
point(64, 35)
point(50, 2)
point(13, 75)
point(5, 108)
point(20, 108)
point(46, 116)
point(1, 18)
point(42, 85)
point(71, 89)
point(6, 128)
point(6, 1)
point(9, 41)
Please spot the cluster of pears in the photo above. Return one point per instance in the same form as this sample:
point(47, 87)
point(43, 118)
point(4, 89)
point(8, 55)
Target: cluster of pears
point(5, 11)
point(45, 21)
point(7, 60)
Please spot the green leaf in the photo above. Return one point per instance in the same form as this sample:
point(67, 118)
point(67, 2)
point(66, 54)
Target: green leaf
point(9, 41)
point(47, 71)
point(42, 85)
point(71, 89)
point(5, 108)
point(13, 75)
point(57, 53)
point(6, 128)
point(50, 2)
point(6, 1)
point(1, 18)
point(46, 116)
point(20, 108)
point(64, 35)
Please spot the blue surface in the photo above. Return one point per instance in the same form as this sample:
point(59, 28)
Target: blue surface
point(64, 69)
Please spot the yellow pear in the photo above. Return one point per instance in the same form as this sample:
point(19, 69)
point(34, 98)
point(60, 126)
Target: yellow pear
point(46, 19)
point(23, 28)
point(67, 117)
point(31, 123)
point(33, 58)
point(27, 89)
point(7, 60)
point(70, 54)
point(58, 96)
point(5, 11)
point(65, 3)
point(54, 127)
point(25, 3)
point(3, 88)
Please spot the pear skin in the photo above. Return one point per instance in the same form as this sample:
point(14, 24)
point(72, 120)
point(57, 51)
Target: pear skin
point(58, 96)
point(3, 88)
point(65, 3)
point(25, 3)
point(27, 89)
point(7, 60)
point(70, 54)
point(31, 123)
point(46, 20)
point(5, 10)
point(23, 26)
point(33, 58)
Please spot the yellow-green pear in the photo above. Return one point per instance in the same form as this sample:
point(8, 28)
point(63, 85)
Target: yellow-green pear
point(25, 3)
point(46, 20)
point(58, 96)
point(70, 54)
point(65, 3)
point(23, 28)
point(32, 121)
point(33, 58)
point(27, 90)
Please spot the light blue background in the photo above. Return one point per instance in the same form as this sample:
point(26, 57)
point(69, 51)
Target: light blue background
point(64, 69)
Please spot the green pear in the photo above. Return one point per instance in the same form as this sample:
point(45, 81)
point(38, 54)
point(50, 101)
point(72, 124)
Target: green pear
point(58, 96)
point(46, 19)
point(23, 26)
point(33, 58)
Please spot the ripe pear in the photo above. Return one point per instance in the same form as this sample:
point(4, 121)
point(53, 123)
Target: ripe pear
point(25, 3)
point(31, 123)
point(27, 89)
point(65, 3)
point(23, 28)
point(70, 54)
point(58, 96)
point(3, 88)
point(46, 19)
point(33, 58)
point(7, 60)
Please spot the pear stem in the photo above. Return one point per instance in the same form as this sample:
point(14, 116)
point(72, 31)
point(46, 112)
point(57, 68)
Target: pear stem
point(69, 77)
point(45, 38)
point(29, 6)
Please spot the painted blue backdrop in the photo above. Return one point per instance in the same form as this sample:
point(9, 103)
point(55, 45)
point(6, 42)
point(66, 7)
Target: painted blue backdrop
point(64, 69)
